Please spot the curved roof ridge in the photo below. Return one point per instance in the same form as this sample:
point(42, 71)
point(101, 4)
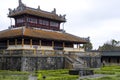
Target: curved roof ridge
point(23, 9)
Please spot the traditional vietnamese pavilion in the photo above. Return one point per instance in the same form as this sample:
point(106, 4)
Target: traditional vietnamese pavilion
point(37, 29)
point(36, 40)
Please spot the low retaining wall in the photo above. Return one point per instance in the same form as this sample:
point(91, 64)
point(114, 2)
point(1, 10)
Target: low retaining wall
point(31, 63)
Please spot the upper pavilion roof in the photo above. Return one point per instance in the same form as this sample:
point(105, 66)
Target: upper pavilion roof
point(23, 9)
point(42, 34)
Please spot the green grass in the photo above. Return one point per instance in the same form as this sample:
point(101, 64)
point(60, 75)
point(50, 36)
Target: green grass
point(56, 75)
point(112, 73)
point(13, 75)
point(112, 77)
point(108, 70)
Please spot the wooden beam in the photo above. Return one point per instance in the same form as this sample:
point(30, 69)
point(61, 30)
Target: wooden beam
point(15, 42)
point(53, 44)
point(40, 43)
point(7, 43)
point(30, 43)
point(22, 42)
point(77, 45)
point(63, 45)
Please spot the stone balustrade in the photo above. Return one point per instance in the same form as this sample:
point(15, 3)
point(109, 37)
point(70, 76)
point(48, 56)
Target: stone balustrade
point(73, 49)
point(37, 47)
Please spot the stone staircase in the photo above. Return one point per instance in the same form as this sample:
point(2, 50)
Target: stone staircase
point(74, 61)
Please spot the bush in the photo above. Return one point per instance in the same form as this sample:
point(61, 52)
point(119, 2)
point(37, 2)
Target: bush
point(61, 74)
point(13, 75)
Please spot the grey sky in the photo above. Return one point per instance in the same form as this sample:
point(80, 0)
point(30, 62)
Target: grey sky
point(99, 19)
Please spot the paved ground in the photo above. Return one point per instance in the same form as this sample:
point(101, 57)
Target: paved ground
point(82, 77)
point(92, 76)
point(32, 77)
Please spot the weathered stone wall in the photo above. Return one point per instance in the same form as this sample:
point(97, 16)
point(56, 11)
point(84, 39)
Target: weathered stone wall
point(38, 63)
point(92, 62)
point(31, 63)
point(10, 63)
point(30, 60)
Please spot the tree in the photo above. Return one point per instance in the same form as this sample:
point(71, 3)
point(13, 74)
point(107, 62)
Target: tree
point(112, 45)
point(88, 46)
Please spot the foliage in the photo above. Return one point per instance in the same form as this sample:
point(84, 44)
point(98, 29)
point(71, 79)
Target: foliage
point(113, 45)
point(108, 70)
point(88, 46)
point(113, 72)
point(61, 74)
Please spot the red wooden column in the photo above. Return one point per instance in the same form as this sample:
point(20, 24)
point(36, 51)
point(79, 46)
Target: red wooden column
point(15, 42)
point(30, 43)
point(40, 43)
point(22, 42)
point(53, 46)
point(7, 43)
point(63, 45)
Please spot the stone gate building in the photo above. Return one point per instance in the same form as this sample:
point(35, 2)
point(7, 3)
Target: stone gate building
point(36, 41)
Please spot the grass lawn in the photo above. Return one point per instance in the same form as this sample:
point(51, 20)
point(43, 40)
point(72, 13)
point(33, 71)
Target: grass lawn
point(112, 72)
point(13, 75)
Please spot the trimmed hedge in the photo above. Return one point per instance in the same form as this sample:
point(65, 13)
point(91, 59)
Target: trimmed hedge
point(13, 75)
point(56, 75)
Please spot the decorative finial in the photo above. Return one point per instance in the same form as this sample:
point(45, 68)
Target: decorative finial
point(10, 10)
point(38, 7)
point(20, 2)
point(54, 11)
point(64, 16)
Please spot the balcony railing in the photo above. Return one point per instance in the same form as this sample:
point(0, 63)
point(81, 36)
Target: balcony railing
point(37, 47)
point(73, 49)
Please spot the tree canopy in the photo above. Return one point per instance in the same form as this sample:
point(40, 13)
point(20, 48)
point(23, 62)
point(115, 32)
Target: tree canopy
point(112, 45)
point(88, 46)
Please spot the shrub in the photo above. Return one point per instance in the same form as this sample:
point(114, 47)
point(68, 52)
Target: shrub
point(61, 74)
point(13, 75)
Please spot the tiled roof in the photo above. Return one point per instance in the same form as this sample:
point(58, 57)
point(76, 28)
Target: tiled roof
point(37, 12)
point(10, 33)
point(42, 34)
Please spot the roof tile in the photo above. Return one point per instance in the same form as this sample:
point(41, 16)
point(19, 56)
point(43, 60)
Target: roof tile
point(50, 35)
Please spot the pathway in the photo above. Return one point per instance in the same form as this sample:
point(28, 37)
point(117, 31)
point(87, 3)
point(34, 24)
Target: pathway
point(92, 76)
point(32, 77)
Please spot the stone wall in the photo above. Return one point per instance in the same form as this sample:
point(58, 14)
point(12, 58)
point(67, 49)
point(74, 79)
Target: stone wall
point(29, 60)
point(92, 62)
point(31, 63)
point(10, 63)
point(38, 63)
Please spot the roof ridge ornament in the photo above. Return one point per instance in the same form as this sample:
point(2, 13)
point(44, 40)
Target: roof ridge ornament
point(54, 11)
point(20, 2)
point(38, 7)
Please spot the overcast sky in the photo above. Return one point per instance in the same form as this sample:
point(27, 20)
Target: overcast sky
point(98, 19)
